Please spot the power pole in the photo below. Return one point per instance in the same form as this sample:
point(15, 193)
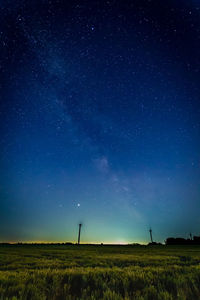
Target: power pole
point(79, 233)
point(190, 236)
point(150, 231)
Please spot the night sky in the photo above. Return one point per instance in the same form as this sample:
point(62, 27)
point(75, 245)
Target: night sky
point(100, 120)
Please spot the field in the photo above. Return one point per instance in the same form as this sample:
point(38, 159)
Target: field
point(99, 272)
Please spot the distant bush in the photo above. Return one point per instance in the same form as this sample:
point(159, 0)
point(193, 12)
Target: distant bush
point(182, 241)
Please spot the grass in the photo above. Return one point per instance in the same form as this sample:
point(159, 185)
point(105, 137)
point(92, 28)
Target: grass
point(82, 272)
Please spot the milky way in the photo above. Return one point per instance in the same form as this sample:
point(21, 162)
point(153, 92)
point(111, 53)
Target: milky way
point(100, 120)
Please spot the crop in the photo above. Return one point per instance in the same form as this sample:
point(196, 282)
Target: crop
point(58, 272)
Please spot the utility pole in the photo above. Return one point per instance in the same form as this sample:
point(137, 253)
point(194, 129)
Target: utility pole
point(79, 233)
point(150, 231)
point(190, 236)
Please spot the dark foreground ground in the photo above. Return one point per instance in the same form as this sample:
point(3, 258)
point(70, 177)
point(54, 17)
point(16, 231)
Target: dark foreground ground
point(99, 272)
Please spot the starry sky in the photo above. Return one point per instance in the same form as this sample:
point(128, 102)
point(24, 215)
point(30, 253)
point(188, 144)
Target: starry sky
point(99, 119)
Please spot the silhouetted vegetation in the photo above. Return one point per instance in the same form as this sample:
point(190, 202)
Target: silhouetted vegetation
point(155, 244)
point(57, 272)
point(182, 241)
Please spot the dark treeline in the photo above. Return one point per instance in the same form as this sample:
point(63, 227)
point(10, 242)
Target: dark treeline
point(195, 240)
point(181, 241)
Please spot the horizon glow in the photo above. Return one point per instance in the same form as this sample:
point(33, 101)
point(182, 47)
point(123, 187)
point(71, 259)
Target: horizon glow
point(100, 121)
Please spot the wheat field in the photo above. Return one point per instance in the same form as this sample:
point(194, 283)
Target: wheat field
point(93, 272)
